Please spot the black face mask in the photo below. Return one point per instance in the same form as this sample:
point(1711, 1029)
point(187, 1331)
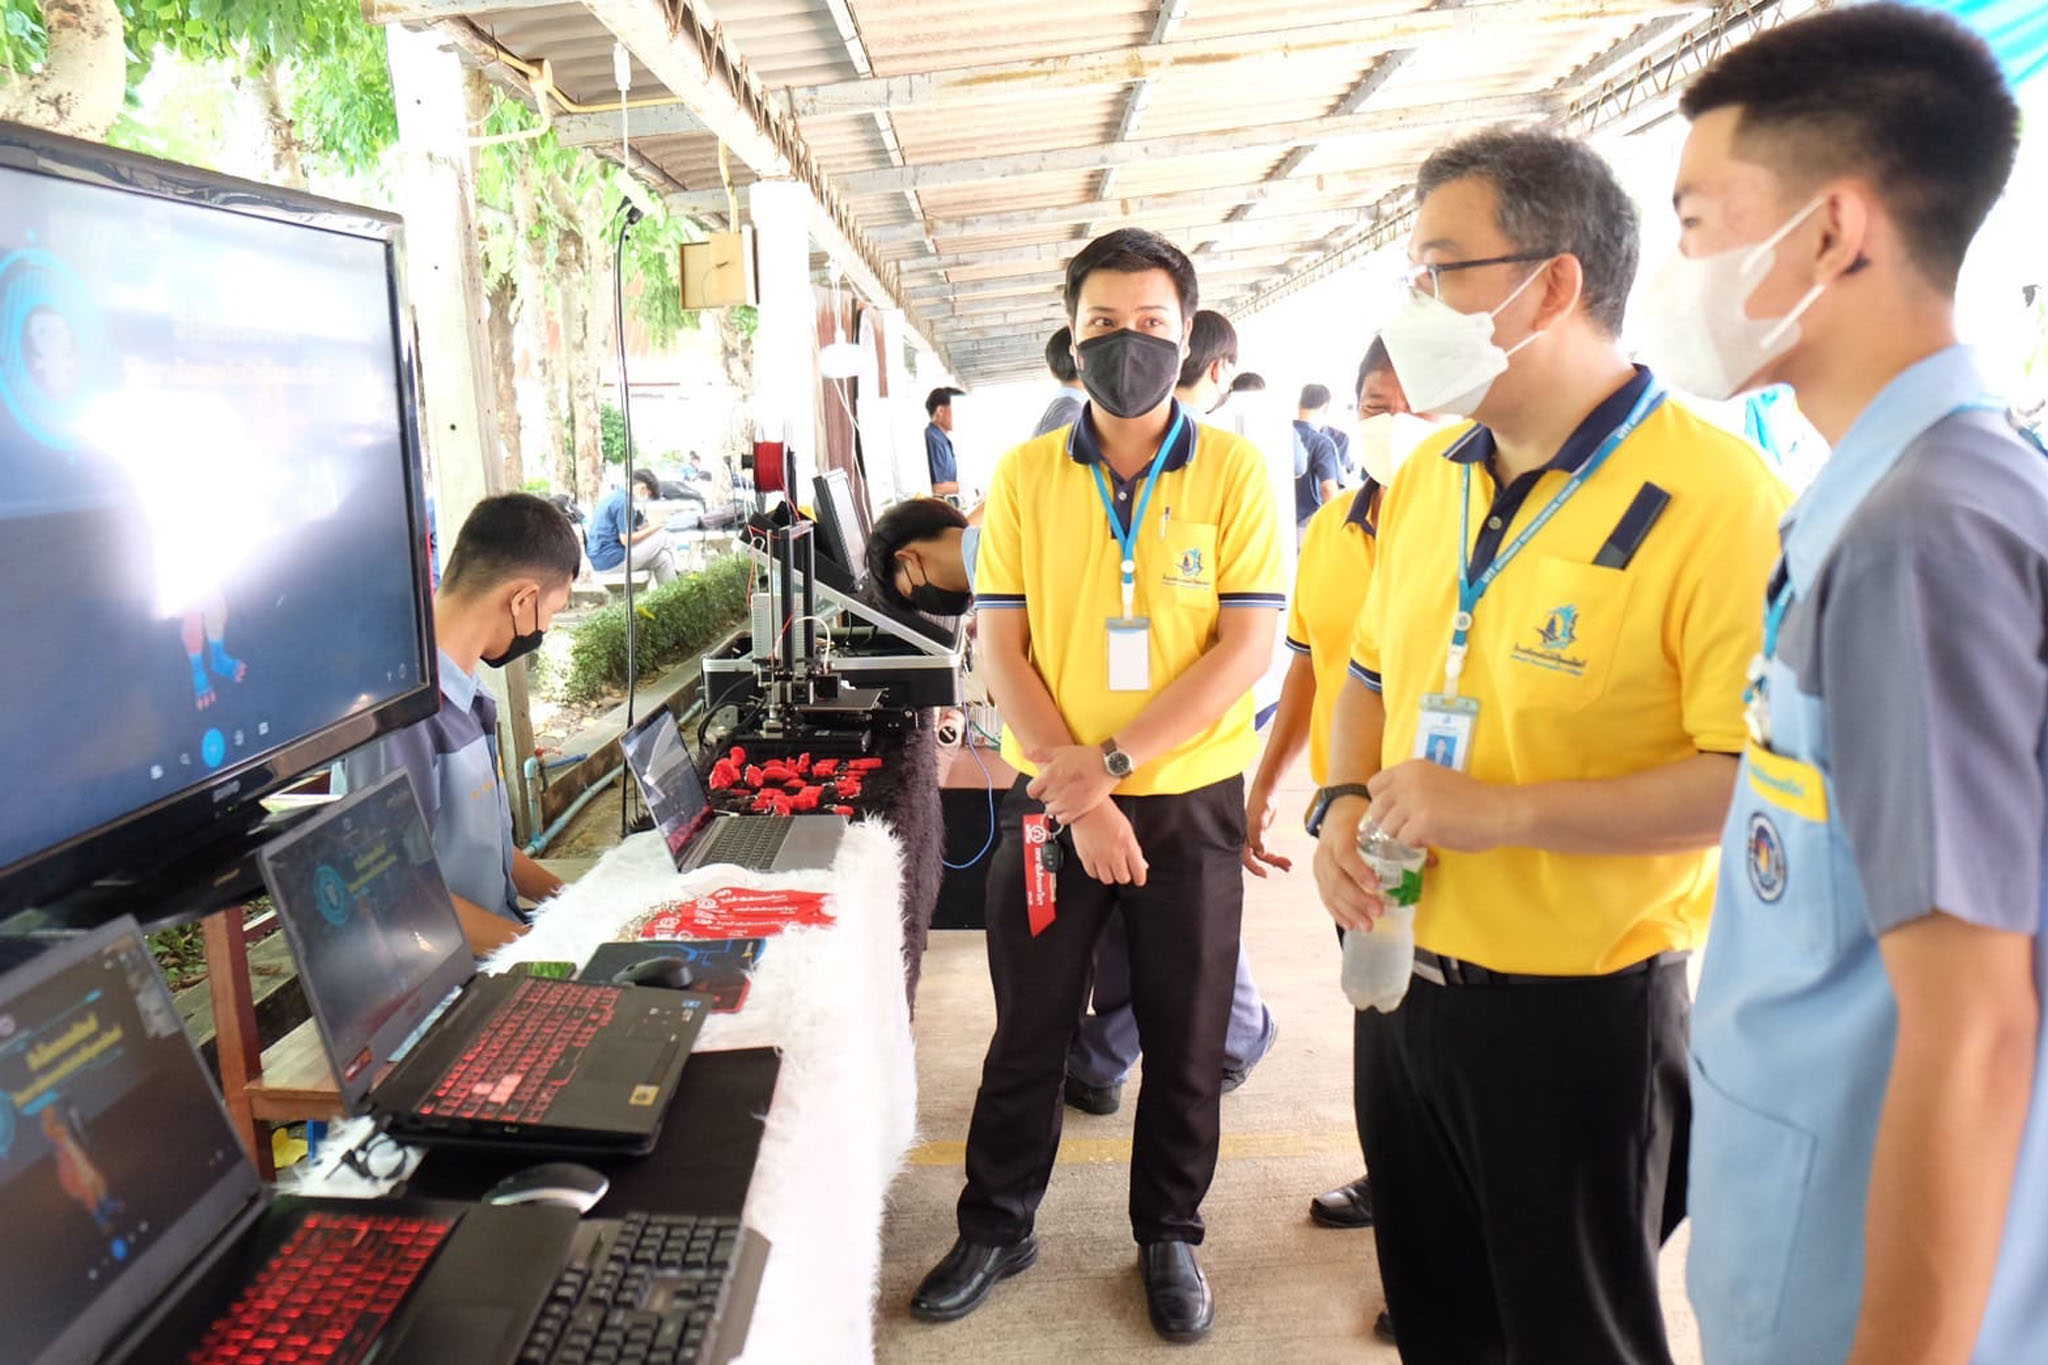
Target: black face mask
point(933, 600)
point(1128, 373)
point(522, 644)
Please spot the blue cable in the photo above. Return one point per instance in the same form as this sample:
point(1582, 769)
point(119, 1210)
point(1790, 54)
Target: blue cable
point(989, 778)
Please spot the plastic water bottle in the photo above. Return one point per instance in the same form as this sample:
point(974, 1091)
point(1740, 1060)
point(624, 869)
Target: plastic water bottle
point(1379, 962)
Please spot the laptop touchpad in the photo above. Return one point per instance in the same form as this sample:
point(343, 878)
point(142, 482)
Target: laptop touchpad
point(626, 1060)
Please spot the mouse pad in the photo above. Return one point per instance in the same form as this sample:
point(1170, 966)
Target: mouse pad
point(721, 965)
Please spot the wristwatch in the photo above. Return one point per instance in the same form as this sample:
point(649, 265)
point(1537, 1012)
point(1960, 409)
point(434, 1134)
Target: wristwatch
point(1116, 760)
point(1326, 797)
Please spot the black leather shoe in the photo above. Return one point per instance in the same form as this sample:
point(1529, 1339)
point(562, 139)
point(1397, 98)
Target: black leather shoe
point(1347, 1206)
point(1383, 1327)
point(958, 1284)
point(1176, 1291)
point(1099, 1100)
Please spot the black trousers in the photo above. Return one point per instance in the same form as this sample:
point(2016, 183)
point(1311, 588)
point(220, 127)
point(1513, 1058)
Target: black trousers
point(1182, 930)
point(1527, 1146)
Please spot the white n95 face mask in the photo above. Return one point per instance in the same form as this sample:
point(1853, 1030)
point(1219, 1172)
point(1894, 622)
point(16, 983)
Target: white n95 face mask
point(1696, 331)
point(1383, 443)
point(1447, 360)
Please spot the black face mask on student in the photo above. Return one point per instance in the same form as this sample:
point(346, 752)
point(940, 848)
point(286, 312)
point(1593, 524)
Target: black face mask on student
point(933, 600)
point(522, 644)
point(1128, 373)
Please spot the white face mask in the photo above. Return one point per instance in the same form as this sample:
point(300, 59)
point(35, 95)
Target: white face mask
point(1447, 360)
point(1695, 329)
point(1383, 443)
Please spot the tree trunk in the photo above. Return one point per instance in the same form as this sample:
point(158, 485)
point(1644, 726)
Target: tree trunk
point(84, 77)
point(536, 338)
point(280, 134)
point(504, 371)
point(573, 270)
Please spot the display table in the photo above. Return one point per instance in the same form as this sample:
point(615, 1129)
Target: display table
point(831, 1001)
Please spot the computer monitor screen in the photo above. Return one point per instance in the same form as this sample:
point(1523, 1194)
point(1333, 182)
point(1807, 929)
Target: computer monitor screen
point(371, 923)
point(669, 782)
point(840, 517)
point(117, 1164)
point(210, 521)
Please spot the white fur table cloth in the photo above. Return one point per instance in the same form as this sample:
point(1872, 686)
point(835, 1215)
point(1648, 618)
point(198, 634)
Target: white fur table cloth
point(831, 1000)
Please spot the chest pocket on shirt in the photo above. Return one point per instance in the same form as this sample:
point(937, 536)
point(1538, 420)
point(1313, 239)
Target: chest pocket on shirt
point(1186, 567)
point(1562, 650)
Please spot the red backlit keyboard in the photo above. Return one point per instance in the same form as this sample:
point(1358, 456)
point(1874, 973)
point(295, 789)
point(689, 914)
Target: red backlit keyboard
point(513, 1071)
point(327, 1291)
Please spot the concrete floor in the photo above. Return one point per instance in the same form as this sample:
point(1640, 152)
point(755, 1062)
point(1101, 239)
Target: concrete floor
point(1285, 1289)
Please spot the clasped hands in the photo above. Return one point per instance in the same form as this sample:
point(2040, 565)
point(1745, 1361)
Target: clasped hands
point(1074, 786)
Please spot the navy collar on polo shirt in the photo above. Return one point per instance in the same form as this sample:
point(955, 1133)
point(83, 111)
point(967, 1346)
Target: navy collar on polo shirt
point(1360, 514)
point(1084, 448)
point(1478, 448)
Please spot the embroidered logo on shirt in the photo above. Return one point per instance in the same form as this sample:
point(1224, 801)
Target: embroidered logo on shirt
point(1767, 870)
point(1190, 570)
point(1558, 632)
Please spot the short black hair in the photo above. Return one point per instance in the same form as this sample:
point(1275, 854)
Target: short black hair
point(1211, 339)
point(940, 398)
point(1059, 355)
point(1376, 360)
point(1555, 195)
point(1132, 251)
point(648, 480)
point(1249, 382)
point(512, 535)
point(1906, 98)
point(1314, 396)
point(909, 521)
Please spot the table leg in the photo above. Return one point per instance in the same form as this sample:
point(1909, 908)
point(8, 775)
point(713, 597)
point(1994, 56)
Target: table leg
point(234, 1028)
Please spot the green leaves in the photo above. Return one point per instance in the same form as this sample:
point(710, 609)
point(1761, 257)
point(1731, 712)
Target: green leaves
point(681, 617)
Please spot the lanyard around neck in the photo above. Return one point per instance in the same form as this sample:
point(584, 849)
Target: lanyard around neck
point(1127, 537)
point(1471, 590)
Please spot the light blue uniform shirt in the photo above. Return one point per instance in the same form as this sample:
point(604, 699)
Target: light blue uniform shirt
point(970, 549)
point(1902, 770)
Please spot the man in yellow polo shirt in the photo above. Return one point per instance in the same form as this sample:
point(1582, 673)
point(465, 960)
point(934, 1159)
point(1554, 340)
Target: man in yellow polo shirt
point(1128, 585)
point(1549, 674)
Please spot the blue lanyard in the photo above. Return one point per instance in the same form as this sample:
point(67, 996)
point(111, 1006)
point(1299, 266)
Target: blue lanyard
point(1471, 590)
point(1127, 538)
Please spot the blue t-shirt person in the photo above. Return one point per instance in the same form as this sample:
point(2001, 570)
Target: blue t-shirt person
point(938, 456)
point(605, 541)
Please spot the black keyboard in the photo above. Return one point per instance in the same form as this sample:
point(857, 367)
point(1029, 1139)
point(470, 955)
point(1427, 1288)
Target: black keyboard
point(513, 1070)
point(747, 841)
point(647, 1291)
point(326, 1293)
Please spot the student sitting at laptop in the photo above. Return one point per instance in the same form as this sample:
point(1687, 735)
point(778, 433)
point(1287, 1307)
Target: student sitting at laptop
point(508, 576)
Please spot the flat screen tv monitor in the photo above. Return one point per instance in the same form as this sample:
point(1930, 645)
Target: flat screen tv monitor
point(212, 525)
point(842, 520)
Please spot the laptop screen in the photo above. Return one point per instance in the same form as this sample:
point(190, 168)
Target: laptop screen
point(117, 1165)
point(668, 779)
point(371, 923)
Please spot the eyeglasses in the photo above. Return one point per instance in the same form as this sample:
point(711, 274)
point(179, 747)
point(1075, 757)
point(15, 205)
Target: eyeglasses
point(1428, 279)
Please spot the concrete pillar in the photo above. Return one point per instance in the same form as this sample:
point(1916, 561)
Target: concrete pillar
point(786, 342)
point(445, 292)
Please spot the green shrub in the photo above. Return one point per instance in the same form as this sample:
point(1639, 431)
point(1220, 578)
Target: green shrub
point(680, 618)
point(541, 486)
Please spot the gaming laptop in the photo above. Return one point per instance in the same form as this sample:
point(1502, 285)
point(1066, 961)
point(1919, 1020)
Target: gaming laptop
point(696, 835)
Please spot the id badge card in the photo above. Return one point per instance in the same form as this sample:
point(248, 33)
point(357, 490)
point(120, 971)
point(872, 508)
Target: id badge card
point(1444, 734)
point(1130, 654)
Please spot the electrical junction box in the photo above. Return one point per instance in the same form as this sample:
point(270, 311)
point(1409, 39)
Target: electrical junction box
point(718, 272)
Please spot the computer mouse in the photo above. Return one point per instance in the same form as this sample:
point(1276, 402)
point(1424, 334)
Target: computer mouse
point(669, 973)
point(558, 1182)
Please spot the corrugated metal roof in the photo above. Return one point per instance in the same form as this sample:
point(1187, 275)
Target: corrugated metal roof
point(974, 144)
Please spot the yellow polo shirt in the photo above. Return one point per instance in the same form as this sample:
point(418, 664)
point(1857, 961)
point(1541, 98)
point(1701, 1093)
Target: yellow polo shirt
point(1209, 543)
point(1330, 578)
point(1580, 672)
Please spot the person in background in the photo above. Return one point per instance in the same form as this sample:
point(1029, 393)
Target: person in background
point(1870, 1145)
point(509, 574)
point(938, 442)
point(1126, 699)
point(609, 543)
point(1315, 460)
point(1107, 1045)
point(1347, 467)
point(1065, 408)
point(1330, 581)
point(1546, 696)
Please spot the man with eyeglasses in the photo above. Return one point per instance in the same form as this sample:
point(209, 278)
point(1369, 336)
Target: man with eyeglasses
point(1577, 572)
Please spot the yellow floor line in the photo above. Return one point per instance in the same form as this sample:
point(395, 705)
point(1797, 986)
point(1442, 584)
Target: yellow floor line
point(1117, 1151)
